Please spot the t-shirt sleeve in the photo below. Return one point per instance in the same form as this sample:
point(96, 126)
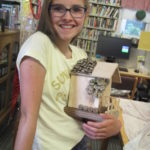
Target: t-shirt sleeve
point(35, 47)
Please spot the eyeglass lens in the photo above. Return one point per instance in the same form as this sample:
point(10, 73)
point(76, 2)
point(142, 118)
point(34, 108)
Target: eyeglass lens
point(60, 10)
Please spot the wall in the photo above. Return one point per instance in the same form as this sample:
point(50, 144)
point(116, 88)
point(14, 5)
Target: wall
point(130, 14)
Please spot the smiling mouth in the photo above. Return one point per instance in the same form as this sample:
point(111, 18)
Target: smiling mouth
point(67, 26)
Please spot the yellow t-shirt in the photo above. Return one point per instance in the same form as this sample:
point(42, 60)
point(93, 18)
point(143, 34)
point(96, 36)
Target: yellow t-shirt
point(55, 129)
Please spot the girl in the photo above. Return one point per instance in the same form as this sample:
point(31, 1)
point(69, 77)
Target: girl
point(44, 64)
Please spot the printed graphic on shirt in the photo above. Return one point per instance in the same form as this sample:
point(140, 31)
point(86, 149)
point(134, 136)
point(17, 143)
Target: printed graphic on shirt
point(59, 84)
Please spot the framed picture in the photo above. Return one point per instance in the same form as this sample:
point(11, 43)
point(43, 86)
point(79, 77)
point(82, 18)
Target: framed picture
point(132, 28)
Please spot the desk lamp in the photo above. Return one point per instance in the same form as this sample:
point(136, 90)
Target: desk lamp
point(144, 44)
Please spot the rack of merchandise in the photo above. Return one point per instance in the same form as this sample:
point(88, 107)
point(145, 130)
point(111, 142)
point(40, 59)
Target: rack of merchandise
point(9, 11)
point(102, 19)
point(10, 2)
point(9, 48)
point(10, 41)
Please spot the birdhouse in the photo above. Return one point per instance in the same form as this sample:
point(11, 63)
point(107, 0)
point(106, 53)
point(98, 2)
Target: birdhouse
point(90, 88)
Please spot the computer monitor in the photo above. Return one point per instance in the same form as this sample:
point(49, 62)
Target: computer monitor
point(113, 48)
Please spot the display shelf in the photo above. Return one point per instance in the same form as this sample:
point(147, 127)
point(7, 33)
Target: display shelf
point(16, 2)
point(4, 78)
point(11, 2)
point(111, 4)
point(107, 17)
point(5, 112)
point(89, 39)
point(100, 28)
point(102, 19)
point(7, 41)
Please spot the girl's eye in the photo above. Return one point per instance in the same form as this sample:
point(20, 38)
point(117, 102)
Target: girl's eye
point(77, 9)
point(58, 8)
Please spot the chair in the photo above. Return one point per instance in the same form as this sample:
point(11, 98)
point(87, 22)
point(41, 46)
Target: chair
point(128, 83)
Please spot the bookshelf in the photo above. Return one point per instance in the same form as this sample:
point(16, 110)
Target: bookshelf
point(10, 12)
point(9, 48)
point(12, 2)
point(102, 19)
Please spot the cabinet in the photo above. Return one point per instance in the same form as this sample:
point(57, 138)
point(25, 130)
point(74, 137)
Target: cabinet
point(102, 19)
point(9, 47)
point(9, 11)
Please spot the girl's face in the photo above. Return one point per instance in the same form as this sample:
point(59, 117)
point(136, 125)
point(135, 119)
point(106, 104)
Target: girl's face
point(67, 24)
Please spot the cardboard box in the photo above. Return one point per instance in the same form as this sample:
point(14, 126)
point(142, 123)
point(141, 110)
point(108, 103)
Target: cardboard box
point(79, 96)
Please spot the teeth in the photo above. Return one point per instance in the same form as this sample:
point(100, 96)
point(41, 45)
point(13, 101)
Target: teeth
point(67, 27)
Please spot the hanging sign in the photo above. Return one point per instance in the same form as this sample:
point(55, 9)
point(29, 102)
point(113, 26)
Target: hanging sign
point(36, 14)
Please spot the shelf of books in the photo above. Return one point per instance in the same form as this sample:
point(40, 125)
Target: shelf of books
point(9, 48)
point(102, 19)
point(11, 2)
point(9, 11)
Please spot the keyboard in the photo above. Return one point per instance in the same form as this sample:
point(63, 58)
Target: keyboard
point(123, 69)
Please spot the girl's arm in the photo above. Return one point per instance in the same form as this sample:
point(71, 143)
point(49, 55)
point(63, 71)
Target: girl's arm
point(32, 75)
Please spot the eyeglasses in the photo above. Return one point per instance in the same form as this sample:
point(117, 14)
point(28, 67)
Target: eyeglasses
point(59, 10)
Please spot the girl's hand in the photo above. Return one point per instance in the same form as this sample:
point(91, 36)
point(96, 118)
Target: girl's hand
point(101, 130)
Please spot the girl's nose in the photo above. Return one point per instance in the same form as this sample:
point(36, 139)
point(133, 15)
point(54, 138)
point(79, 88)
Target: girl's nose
point(68, 15)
